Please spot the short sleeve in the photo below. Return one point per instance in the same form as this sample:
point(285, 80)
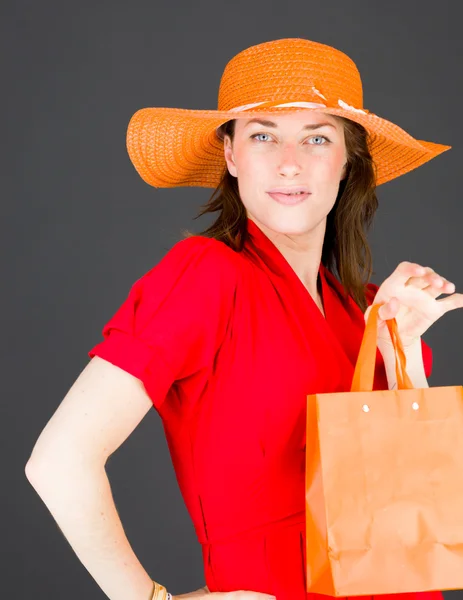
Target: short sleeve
point(175, 317)
point(371, 289)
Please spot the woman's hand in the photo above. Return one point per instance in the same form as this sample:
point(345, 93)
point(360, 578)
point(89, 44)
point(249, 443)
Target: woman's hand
point(409, 295)
point(238, 595)
point(196, 594)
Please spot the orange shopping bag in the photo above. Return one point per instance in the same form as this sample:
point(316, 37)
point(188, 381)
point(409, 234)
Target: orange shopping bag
point(384, 483)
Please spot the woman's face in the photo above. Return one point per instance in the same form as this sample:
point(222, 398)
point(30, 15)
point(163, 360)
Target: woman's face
point(304, 149)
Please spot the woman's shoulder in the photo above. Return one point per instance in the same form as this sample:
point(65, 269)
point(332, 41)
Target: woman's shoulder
point(199, 258)
point(210, 247)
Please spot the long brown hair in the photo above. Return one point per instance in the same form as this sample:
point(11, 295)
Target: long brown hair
point(345, 246)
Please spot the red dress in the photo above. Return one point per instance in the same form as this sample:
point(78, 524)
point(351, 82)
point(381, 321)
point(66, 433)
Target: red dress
point(228, 345)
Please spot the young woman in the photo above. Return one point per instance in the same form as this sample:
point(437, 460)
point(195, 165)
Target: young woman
point(228, 334)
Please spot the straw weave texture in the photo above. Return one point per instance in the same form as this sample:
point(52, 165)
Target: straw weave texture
point(172, 147)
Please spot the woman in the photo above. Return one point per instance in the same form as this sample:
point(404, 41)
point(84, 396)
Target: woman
point(228, 334)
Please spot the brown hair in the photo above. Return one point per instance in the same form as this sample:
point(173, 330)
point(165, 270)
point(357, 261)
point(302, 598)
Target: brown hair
point(345, 245)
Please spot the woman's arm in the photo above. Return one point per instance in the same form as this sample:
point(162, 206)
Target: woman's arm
point(415, 365)
point(67, 469)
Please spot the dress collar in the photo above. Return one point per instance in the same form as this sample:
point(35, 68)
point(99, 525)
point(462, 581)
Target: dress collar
point(343, 323)
point(271, 259)
point(340, 332)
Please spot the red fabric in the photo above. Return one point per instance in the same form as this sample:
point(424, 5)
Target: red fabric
point(228, 346)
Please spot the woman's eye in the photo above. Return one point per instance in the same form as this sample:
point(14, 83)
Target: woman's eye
point(257, 134)
point(314, 137)
point(320, 137)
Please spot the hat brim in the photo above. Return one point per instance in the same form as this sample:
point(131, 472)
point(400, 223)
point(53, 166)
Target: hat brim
point(175, 147)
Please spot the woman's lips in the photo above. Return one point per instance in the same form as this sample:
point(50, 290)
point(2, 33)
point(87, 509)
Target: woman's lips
point(289, 199)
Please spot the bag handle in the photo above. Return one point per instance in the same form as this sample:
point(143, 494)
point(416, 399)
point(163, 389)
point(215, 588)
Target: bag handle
point(365, 368)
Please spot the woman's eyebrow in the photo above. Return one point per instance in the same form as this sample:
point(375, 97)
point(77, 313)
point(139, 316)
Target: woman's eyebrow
point(310, 126)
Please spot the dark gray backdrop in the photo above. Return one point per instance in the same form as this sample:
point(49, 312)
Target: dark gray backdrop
point(79, 225)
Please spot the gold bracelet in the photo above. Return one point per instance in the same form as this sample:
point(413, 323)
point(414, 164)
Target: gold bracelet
point(159, 592)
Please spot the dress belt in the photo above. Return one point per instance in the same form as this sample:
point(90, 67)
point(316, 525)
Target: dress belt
point(242, 535)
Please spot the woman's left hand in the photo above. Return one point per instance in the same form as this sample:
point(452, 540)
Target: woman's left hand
point(409, 295)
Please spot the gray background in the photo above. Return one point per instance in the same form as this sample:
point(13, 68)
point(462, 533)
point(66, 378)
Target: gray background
point(79, 225)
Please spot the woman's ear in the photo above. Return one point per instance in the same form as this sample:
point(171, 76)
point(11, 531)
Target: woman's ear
point(228, 154)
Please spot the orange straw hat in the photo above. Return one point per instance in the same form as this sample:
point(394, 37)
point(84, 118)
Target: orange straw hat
point(172, 147)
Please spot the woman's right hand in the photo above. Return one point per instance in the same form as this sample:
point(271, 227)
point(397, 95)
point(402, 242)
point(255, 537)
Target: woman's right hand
point(204, 594)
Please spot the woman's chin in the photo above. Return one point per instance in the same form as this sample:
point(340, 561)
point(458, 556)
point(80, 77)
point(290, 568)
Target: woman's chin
point(293, 226)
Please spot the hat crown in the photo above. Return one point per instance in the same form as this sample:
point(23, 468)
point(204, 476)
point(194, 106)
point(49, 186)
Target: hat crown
point(290, 70)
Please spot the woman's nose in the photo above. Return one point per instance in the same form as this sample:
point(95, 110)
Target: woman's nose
point(289, 163)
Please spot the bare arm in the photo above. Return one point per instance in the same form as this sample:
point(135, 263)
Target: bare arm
point(415, 365)
point(67, 469)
